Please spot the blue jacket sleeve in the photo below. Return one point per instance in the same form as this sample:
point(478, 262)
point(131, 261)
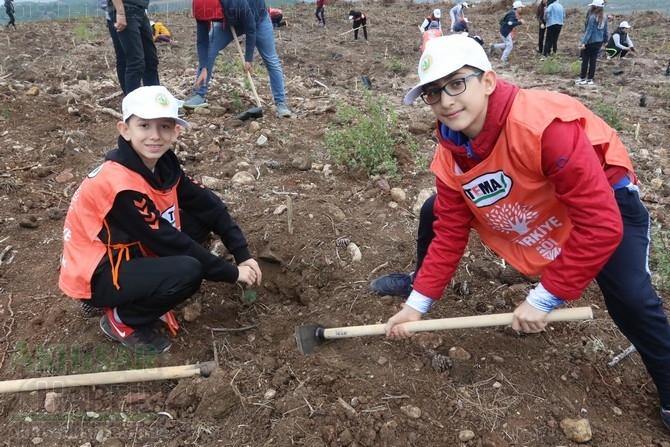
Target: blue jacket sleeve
point(239, 14)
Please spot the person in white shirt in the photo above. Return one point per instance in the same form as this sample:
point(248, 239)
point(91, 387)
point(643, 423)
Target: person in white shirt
point(458, 15)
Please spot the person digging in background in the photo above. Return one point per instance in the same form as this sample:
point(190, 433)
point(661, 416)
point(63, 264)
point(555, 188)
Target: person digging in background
point(619, 43)
point(133, 232)
point(549, 187)
point(359, 20)
point(457, 16)
point(277, 17)
point(249, 17)
point(161, 33)
point(434, 17)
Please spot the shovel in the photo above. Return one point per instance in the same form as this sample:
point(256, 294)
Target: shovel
point(255, 112)
point(310, 336)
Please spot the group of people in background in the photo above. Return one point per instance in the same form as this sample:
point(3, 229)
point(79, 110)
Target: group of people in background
point(551, 17)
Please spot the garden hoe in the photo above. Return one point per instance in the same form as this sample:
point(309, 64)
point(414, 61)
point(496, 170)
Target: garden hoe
point(255, 112)
point(108, 377)
point(310, 336)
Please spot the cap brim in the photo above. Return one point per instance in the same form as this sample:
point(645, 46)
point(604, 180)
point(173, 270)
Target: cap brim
point(182, 123)
point(411, 96)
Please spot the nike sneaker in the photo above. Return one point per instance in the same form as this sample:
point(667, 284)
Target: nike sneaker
point(140, 340)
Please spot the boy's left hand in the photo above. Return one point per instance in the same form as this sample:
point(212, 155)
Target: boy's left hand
point(528, 319)
point(256, 268)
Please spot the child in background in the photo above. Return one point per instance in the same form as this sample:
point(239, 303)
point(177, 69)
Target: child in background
point(320, 12)
point(434, 17)
point(161, 33)
point(549, 187)
point(507, 24)
point(595, 35)
point(277, 17)
point(457, 16)
point(359, 20)
point(619, 43)
point(134, 229)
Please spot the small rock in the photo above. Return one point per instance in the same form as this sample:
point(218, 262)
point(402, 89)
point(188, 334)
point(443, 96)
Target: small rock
point(411, 411)
point(37, 440)
point(29, 222)
point(136, 398)
point(382, 360)
point(328, 434)
point(52, 401)
point(65, 176)
point(424, 194)
point(354, 252)
point(191, 312)
point(262, 140)
point(213, 183)
point(254, 127)
point(577, 430)
point(459, 353)
point(267, 254)
point(617, 411)
point(427, 340)
point(398, 195)
point(243, 178)
point(345, 437)
point(33, 91)
point(280, 210)
point(466, 435)
point(270, 394)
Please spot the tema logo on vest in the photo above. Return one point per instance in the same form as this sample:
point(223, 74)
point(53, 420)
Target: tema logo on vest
point(487, 189)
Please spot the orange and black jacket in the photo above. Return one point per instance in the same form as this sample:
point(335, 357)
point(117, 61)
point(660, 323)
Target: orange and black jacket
point(134, 223)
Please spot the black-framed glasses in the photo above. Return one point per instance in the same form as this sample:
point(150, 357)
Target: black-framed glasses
point(452, 88)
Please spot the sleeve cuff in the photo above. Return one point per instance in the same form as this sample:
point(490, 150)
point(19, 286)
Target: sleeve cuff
point(542, 300)
point(419, 302)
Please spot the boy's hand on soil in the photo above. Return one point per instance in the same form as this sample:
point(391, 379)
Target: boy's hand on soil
point(394, 328)
point(255, 274)
point(528, 319)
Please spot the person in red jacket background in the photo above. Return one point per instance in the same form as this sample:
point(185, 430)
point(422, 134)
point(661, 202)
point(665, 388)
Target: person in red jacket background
point(320, 12)
point(277, 17)
point(561, 203)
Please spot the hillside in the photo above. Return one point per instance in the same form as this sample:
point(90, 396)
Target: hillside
point(58, 99)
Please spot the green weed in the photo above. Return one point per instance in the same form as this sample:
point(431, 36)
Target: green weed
point(82, 30)
point(608, 113)
point(396, 66)
point(551, 66)
point(364, 140)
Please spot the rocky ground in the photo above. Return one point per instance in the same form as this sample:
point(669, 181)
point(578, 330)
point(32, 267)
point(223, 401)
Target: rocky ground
point(467, 387)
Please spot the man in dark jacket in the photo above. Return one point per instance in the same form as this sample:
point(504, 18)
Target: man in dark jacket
point(248, 17)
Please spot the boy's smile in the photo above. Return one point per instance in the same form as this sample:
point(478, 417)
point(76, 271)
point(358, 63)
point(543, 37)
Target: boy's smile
point(150, 138)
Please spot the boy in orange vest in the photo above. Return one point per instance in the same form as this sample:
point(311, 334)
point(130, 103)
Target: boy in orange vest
point(549, 187)
point(133, 232)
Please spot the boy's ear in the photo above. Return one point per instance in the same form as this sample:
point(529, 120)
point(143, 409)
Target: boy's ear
point(490, 81)
point(122, 127)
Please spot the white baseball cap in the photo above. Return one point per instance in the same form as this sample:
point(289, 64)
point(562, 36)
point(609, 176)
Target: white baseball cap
point(624, 24)
point(443, 56)
point(437, 13)
point(154, 101)
point(465, 4)
point(598, 3)
point(519, 4)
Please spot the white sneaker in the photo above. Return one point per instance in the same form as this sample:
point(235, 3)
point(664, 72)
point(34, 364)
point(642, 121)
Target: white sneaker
point(195, 102)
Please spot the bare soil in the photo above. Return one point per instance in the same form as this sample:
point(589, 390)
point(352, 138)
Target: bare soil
point(58, 89)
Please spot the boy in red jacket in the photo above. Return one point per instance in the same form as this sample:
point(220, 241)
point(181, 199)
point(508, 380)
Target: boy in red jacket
point(549, 187)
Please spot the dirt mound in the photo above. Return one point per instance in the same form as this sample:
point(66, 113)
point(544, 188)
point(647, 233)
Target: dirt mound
point(477, 387)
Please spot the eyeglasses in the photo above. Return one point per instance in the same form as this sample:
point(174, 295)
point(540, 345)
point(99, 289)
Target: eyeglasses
point(452, 88)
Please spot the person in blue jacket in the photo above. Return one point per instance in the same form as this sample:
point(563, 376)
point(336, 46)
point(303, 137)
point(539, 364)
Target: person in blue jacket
point(249, 17)
point(595, 36)
point(507, 24)
point(554, 17)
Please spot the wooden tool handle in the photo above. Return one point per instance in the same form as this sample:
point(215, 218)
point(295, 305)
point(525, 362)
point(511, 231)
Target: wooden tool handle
point(105, 378)
point(568, 314)
point(251, 81)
